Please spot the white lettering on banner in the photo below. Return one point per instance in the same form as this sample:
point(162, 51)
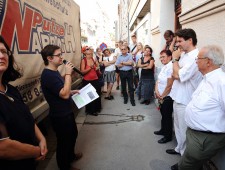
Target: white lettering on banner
point(33, 30)
point(28, 26)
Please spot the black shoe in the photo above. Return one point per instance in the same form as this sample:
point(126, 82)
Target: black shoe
point(172, 151)
point(108, 98)
point(111, 97)
point(133, 103)
point(147, 102)
point(143, 102)
point(125, 101)
point(158, 132)
point(164, 140)
point(174, 167)
point(95, 114)
point(118, 87)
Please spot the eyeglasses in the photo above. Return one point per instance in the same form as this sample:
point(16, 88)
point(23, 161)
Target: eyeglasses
point(58, 55)
point(5, 52)
point(162, 57)
point(199, 58)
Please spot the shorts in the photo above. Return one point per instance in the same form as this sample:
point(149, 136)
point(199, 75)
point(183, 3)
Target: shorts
point(110, 76)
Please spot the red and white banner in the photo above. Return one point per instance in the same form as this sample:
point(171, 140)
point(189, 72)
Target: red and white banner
point(28, 26)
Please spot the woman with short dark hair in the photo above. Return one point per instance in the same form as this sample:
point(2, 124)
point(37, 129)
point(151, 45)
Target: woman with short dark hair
point(162, 90)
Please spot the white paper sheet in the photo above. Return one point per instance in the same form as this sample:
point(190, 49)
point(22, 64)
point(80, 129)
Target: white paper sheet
point(87, 94)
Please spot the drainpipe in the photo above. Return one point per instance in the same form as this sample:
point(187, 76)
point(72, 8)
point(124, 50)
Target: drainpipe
point(128, 38)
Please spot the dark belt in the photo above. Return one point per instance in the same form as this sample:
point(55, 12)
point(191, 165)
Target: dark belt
point(126, 70)
point(208, 132)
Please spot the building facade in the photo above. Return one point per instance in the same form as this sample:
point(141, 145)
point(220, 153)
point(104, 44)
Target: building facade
point(95, 25)
point(149, 19)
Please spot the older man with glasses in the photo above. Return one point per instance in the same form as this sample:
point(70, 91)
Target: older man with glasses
point(125, 64)
point(204, 115)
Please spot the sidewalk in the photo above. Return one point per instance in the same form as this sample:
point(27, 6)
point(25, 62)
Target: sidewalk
point(121, 138)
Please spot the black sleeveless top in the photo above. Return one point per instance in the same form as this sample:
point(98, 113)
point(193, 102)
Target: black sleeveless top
point(147, 73)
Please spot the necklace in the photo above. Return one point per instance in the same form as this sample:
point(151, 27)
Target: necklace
point(4, 93)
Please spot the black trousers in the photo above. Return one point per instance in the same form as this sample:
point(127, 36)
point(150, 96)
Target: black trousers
point(94, 106)
point(66, 134)
point(166, 109)
point(126, 78)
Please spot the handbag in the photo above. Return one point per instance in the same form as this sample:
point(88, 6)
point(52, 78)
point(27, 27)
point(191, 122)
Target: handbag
point(99, 73)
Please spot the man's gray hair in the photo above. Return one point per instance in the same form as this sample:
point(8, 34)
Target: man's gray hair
point(215, 53)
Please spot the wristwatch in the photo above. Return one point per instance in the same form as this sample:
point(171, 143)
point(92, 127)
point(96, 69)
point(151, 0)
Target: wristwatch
point(174, 60)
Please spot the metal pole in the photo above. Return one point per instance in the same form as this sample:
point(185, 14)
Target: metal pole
point(128, 38)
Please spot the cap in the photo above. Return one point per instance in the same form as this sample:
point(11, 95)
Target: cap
point(84, 49)
point(105, 48)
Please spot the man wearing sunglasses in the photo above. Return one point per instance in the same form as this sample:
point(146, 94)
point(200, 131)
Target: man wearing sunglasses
point(125, 64)
point(57, 92)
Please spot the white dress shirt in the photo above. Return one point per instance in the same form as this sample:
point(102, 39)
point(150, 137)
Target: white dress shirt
point(117, 52)
point(165, 73)
point(206, 110)
point(190, 77)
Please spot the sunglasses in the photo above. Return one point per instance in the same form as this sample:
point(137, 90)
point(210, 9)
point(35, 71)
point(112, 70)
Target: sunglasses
point(123, 49)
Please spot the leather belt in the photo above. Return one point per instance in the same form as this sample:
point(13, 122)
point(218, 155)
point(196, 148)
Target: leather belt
point(126, 70)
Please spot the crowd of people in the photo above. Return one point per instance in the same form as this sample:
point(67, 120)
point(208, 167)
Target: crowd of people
point(190, 90)
point(132, 66)
point(190, 95)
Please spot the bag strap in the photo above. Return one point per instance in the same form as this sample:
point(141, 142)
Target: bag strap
point(134, 48)
point(85, 62)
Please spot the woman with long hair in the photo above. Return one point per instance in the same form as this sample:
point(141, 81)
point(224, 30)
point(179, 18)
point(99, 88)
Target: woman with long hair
point(99, 59)
point(21, 141)
point(147, 80)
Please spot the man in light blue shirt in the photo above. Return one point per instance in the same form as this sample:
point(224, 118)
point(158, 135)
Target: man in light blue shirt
point(125, 64)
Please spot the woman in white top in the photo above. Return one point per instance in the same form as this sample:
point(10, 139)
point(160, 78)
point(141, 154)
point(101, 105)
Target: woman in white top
point(162, 90)
point(140, 51)
point(109, 74)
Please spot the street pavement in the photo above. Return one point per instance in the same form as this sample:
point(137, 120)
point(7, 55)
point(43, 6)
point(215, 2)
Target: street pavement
point(121, 138)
